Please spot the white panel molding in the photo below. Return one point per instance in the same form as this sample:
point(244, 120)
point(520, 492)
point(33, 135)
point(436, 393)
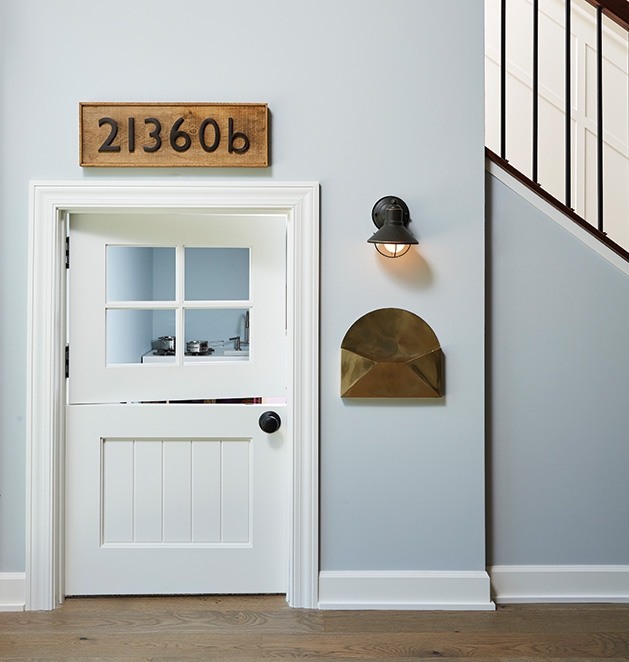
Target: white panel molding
point(443, 590)
point(559, 583)
point(12, 591)
point(554, 214)
point(50, 204)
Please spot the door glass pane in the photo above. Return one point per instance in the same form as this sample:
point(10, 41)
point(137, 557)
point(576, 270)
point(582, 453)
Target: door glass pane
point(222, 332)
point(216, 274)
point(133, 335)
point(140, 273)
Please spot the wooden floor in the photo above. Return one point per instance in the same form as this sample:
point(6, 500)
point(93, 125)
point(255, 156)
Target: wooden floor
point(260, 628)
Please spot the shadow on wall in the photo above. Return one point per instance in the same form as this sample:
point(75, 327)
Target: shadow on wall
point(411, 271)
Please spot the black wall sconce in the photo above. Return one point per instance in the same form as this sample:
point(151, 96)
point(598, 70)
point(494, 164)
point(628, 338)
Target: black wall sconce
point(391, 216)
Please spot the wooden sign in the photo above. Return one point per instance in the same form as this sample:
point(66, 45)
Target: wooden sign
point(174, 135)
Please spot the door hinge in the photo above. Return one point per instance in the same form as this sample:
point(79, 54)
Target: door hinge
point(67, 252)
point(67, 361)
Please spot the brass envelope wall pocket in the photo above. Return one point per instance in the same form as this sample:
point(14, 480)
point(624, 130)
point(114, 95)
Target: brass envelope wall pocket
point(391, 353)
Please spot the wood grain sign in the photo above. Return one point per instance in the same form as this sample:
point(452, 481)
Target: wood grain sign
point(173, 135)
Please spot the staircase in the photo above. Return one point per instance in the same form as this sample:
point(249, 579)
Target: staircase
point(557, 106)
point(557, 195)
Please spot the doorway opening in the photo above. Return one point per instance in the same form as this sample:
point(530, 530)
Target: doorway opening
point(51, 206)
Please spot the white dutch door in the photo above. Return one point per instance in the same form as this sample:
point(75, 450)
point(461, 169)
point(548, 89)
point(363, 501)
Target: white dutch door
point(177, 341)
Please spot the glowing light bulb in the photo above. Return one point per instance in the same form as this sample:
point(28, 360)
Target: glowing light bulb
point(392, 250)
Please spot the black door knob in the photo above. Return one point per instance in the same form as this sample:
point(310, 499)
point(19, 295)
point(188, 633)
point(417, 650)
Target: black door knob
point(269, 422)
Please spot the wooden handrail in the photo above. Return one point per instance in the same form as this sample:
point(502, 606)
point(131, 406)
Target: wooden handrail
point(570, 213)
point(616, 10)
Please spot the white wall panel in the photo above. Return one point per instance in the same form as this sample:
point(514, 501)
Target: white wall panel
point(148, 512)
point(177, 491)
point(237, 491)
point(206, 491)
point(616, 195)
point(117, 491)
point(551, 162)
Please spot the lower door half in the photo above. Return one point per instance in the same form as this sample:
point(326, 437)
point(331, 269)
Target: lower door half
point(175, 498)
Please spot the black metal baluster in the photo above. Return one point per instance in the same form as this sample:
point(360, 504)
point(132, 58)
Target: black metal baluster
point(503, 79)
point(599, 112)
point(568, 107)
point(535, 88)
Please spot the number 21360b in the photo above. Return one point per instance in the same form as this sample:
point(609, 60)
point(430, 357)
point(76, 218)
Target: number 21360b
point(208, 136)
point(173, 135)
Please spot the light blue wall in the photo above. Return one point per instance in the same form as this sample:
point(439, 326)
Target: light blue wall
point(559, 382)
point(368, 97)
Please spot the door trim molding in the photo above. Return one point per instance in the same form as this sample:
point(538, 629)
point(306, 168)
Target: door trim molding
point(50, 204)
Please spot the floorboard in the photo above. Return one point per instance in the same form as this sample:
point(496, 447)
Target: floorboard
point(253, 628)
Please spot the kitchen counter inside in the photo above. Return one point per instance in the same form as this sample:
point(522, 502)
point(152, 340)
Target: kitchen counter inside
point(219, 354)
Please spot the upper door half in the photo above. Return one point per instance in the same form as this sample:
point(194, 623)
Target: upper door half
point(176, 307)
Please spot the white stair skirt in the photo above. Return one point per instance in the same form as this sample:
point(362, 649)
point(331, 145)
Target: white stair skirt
point(559, 583)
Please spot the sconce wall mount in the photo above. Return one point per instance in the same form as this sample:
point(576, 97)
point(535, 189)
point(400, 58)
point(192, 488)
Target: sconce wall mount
point(391, 216)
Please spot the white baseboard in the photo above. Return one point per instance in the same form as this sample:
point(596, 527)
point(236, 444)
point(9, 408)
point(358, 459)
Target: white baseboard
point(404, 590)
point(12, 591)
point(559, 583)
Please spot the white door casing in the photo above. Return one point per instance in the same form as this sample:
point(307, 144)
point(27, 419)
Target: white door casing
point(50, 205)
